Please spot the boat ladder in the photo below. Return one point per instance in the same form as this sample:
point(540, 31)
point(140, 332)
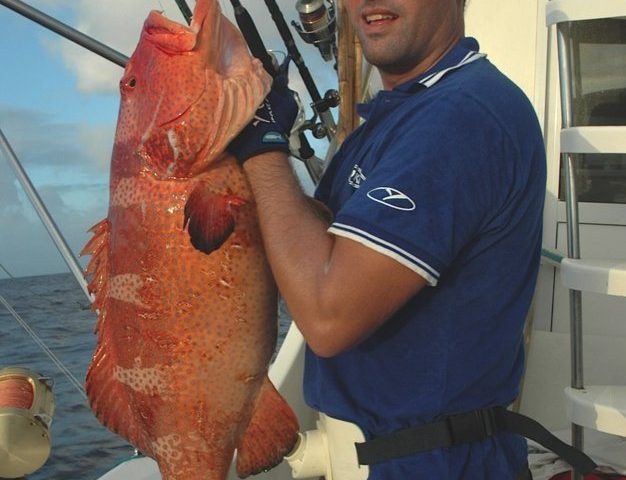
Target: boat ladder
point(583, 134)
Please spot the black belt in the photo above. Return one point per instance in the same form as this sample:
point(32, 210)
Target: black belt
point(466, 428)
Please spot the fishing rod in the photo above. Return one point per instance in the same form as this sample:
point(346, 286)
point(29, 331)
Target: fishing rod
point(318, 26)
point(248, 29)
point(252, 37)
point(257, 48)
point(185, 10)
point(321, 106)
point(66, 31)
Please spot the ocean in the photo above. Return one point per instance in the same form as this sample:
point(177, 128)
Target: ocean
point(56, 309)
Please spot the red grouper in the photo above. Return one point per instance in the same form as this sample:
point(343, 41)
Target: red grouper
point(186, 300)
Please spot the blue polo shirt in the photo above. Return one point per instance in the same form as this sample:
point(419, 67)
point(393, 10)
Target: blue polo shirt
point(446, 176)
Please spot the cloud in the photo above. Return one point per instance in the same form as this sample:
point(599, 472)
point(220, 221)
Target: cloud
point(71, 181)
point(9, 197)
point(116, 23)
point(40, 141)
point(25, 246)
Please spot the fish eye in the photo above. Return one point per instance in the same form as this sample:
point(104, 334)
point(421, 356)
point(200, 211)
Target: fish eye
point(127, 84)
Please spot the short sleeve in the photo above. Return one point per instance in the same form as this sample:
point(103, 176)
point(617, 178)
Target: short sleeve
point(430, 191)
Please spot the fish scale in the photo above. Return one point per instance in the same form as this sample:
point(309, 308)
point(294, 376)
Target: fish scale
point(187, 304)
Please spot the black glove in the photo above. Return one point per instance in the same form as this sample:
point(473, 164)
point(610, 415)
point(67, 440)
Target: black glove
point(270, 128)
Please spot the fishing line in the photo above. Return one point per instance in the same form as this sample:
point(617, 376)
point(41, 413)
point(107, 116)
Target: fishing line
point(73, 380)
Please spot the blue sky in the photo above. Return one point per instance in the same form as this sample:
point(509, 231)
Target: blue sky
point(58, 109)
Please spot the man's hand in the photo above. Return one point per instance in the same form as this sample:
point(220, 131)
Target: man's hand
point(270, 128)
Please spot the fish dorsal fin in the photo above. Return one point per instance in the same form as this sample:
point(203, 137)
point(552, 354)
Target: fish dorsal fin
point(97, 271)
point(271, 433)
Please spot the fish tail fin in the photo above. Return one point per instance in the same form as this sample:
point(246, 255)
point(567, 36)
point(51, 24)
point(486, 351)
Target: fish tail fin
point(271, 433)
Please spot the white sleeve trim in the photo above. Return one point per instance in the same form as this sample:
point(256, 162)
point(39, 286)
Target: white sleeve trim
point(382, 246)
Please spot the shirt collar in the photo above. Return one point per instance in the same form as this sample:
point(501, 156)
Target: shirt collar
point(465, 51)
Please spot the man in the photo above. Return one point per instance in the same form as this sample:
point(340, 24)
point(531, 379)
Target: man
point(413, 302)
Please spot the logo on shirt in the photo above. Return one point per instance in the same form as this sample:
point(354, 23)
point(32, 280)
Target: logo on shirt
point(391, 198)
point(356, 177)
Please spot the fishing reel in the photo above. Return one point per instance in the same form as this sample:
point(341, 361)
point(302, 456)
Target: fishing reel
point(319, 26)
point(26, 408)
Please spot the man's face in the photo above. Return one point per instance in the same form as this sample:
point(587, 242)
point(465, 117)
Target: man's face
point(399, 35)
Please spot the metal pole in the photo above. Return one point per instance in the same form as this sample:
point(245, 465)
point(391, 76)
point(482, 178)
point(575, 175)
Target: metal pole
point(573, 231)
point(66, 31)
point(44, 215)
point(6, 271)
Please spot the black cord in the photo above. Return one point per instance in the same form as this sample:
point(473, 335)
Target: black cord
point(185, 10)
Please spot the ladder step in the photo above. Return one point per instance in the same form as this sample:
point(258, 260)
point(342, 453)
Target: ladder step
point(599, 276)
point(609, 139)
point(599, 407)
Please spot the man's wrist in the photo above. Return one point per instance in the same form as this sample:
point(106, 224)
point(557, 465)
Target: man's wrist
point(243, 157)
point(273, 156)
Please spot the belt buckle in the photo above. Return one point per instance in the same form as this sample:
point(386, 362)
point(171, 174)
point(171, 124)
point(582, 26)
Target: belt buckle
point(472, 426)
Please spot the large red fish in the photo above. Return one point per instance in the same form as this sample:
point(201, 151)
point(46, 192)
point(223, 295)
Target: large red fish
point(186, 301)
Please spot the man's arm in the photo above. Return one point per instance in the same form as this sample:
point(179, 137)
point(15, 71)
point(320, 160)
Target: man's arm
point(337, 290)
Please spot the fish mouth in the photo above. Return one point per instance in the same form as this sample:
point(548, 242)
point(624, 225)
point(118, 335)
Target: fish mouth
point(174, 37)
point(167, 34)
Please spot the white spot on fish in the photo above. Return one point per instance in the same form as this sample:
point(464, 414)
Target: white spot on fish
point(171, 136)
point(147, 380)
point(125, 192)
point(198, 442)
point(168, 447)
point(125, 287)
point(146, 134)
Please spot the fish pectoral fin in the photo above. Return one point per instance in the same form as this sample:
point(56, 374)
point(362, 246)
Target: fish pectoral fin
point(209, 218)
point(271, 433)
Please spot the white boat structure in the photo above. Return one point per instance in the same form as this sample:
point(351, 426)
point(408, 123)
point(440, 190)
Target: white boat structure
point(569, 57)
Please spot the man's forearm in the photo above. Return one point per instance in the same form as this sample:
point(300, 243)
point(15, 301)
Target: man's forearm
point(295, 235)
point(338, 290)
